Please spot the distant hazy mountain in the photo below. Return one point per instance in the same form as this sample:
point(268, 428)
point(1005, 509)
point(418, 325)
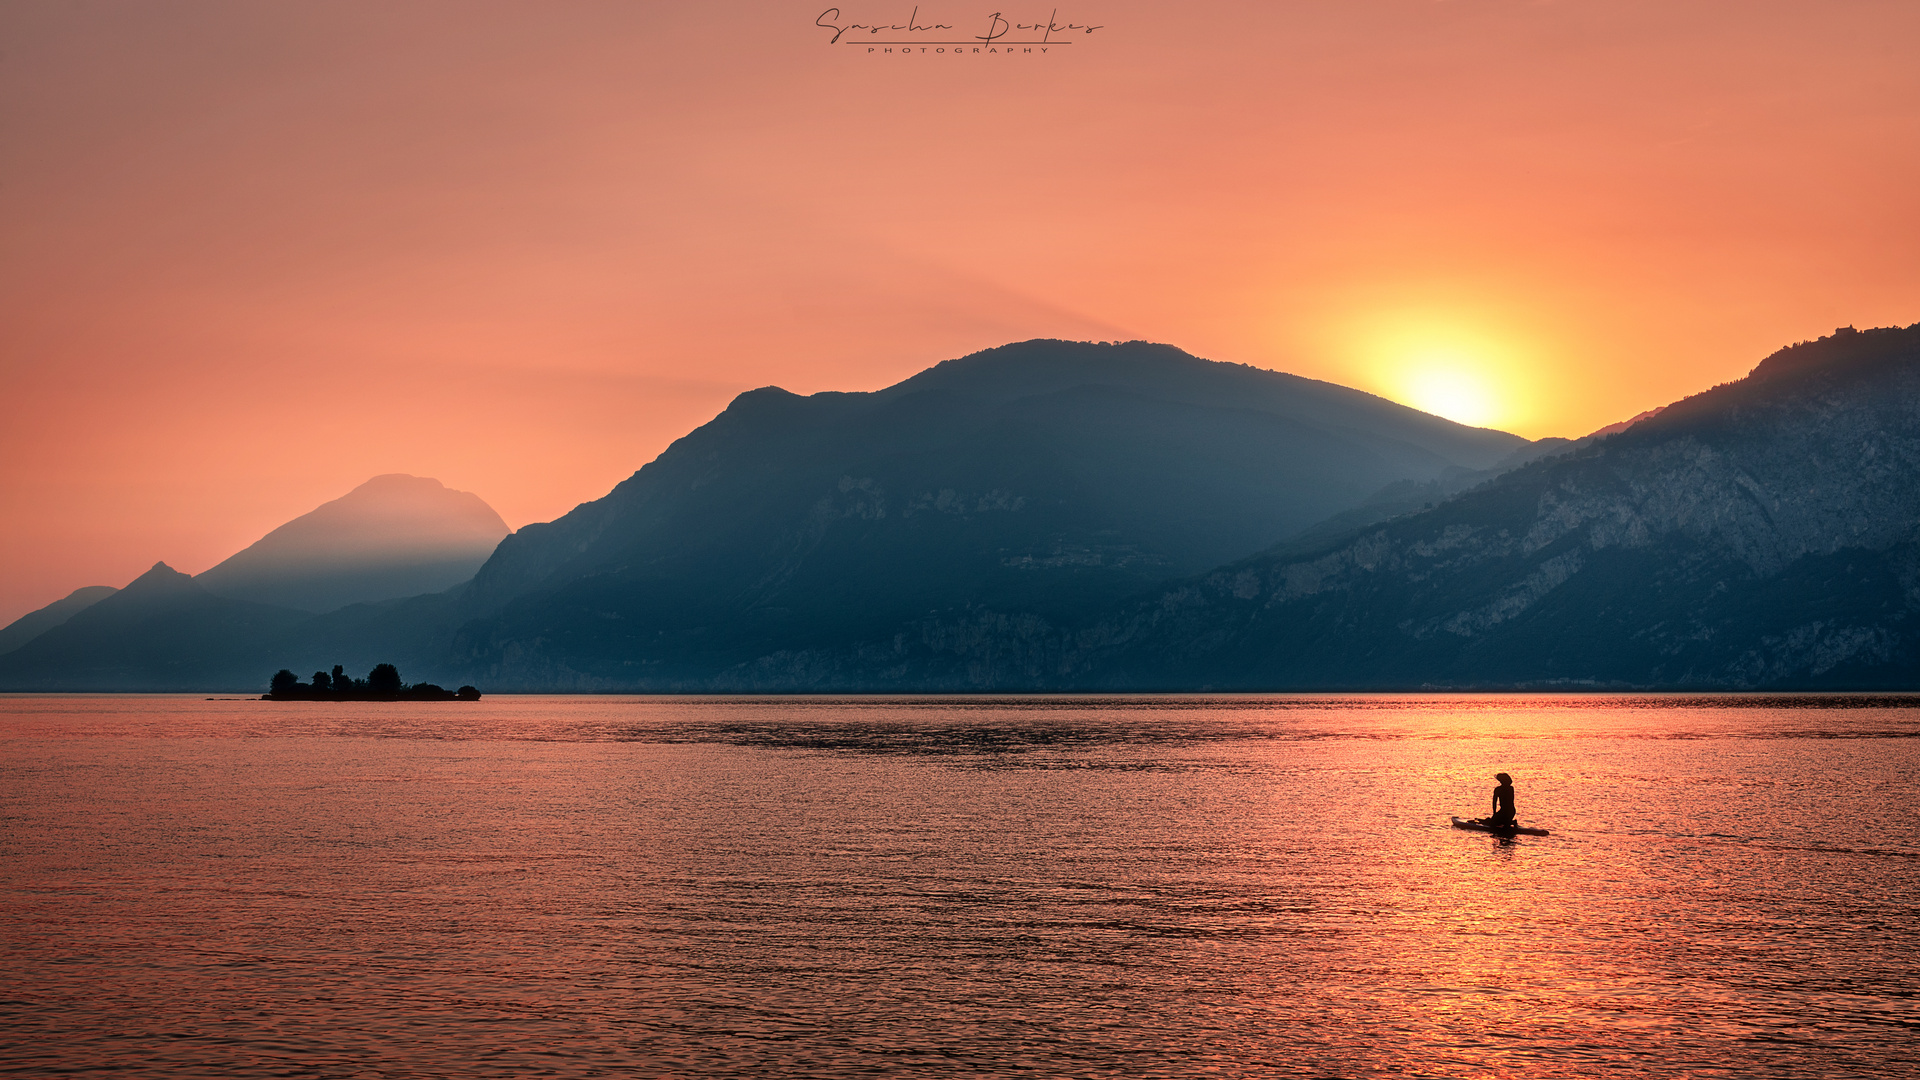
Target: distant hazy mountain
point(162, 632)
point(1763, 534)
point(393, 536)
point(34, 623)
point(1047, 478)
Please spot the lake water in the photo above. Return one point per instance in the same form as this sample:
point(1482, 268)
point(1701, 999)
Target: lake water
point(1179, 886)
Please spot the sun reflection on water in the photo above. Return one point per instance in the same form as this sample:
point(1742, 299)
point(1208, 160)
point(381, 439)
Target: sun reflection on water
point(1163, 886)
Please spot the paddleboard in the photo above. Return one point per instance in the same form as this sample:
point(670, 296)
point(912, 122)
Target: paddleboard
point(1497, 830)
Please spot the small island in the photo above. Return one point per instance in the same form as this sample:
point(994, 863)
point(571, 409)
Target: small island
point(381, 684)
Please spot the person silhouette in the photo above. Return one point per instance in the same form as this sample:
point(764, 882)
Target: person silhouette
point(1502, 802)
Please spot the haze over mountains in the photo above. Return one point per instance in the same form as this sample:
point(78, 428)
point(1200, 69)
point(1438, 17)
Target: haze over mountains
point(34, 623)
point(162, 632)
point(395, 535)
point(1058, 515)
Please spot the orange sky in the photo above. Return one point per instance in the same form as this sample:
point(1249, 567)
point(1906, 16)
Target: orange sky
point(252, 254)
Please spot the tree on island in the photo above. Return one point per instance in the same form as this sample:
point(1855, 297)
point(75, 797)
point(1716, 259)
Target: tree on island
point(381, 684)
point(383, 681)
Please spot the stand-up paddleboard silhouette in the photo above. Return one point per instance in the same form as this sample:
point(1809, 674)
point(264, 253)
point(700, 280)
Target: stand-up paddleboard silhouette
point(1481, 825)
point(1501, 822)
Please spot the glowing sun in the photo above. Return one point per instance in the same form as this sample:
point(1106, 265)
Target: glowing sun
point(1471, 371)
point(1454, 360)
point(1450, 385)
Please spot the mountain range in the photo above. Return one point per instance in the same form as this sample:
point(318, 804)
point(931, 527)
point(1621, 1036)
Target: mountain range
point(1763, 534)
point(34, 623)
point(392, 537)
point(1050, 478)
point(1070, 516)
point(163, 631)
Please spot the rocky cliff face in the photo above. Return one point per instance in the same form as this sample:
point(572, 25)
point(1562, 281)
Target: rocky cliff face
point(1765, 533)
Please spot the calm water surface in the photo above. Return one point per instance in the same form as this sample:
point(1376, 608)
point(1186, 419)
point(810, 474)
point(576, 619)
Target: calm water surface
point(1052, 886)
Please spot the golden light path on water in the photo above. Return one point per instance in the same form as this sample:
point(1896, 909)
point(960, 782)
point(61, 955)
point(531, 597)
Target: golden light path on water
point(1058, 886)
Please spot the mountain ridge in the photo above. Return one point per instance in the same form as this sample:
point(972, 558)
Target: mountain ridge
point(1764, 533)
point(39, 621)
point(392, 536)
point(163, 631)
point(1061, 475)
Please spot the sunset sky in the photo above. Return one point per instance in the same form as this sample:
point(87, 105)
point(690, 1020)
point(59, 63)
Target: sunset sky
point(254, 253)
